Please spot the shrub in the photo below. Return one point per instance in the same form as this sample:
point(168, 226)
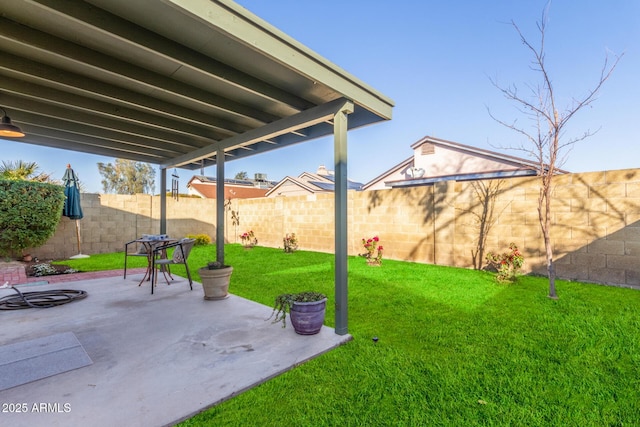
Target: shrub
point(508, 263)
point(371, 246)
point(290, 242)
point(46, 269)
point(201, 239)
point(249, 239)
point(29, 214)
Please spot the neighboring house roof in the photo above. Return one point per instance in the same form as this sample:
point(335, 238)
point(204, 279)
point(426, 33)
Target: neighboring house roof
point(436, 160)
point(205, 187)
point(293, 186)
point(325, 177)
point(309, 183)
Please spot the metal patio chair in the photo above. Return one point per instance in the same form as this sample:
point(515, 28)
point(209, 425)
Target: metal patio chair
point(140, 251)
point(181, 251)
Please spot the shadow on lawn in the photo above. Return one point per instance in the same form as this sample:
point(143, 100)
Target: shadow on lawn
point(460, 290)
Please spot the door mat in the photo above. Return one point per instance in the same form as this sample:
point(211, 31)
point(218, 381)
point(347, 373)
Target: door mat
point(32, 360)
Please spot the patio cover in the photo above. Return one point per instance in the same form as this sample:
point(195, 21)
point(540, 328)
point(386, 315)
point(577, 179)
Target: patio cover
point(176, 83)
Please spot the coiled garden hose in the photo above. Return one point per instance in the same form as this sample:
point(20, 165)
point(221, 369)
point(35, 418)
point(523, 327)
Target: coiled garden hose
point(40, 299)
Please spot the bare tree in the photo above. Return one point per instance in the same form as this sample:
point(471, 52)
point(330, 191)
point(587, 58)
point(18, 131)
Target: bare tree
point(544, 141)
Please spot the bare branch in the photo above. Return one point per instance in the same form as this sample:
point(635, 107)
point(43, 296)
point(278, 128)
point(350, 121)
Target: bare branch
point(605, 73)
point(511, 93)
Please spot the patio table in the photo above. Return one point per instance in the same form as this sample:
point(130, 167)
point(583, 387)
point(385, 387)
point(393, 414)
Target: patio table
point(150, 243)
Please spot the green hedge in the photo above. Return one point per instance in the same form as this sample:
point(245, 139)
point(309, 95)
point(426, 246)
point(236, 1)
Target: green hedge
point(29, 214)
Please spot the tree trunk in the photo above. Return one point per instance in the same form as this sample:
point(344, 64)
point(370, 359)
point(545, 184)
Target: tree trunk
point(551, 271)
point(544, 214)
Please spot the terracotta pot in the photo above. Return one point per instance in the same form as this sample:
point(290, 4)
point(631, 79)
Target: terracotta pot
point(307, 318)
point(215, 283)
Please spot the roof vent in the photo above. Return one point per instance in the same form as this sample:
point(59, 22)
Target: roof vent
point(428, 148)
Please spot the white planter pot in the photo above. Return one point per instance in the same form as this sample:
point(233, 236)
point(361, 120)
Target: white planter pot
point(215, 283)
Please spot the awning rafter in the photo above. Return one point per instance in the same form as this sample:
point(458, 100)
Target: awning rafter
point(290, 124)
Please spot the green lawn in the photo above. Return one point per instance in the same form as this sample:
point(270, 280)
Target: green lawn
point(454, 348)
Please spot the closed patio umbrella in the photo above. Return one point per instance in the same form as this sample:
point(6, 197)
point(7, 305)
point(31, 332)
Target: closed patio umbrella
point(72, 208)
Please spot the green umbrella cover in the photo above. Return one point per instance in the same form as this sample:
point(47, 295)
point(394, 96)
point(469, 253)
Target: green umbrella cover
point(72, 207)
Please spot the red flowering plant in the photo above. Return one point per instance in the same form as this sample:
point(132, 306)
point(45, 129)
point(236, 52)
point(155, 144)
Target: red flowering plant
point(371, 246)
point(290, 242)
point(508, 263)
point(248, 239)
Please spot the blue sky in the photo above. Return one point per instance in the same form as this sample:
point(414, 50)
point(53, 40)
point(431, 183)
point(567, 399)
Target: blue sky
point(435, 60)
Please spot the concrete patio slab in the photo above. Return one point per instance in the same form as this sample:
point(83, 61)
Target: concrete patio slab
point(157, 359)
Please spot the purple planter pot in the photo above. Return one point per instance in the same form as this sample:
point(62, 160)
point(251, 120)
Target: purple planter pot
point(307, 318)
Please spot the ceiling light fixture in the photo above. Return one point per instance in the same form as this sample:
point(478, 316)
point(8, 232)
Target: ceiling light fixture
point(7, 129)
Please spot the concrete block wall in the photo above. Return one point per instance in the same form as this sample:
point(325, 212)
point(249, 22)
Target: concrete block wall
point(309, 217)
point(595, 223)
point(111, 220)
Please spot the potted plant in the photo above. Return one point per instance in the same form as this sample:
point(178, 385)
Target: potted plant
point(307, 310)
point(215, 279)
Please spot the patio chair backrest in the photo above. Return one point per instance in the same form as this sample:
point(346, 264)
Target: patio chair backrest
point(187, 244)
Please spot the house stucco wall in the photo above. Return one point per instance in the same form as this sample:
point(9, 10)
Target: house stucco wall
point(432, 160)
point(452, 161)
point(596, 223)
